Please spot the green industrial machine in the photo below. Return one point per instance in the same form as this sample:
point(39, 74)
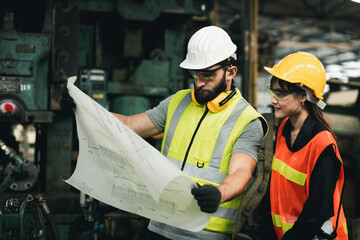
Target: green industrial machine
point(125, 54)
point(24, 60)
point(25, 220)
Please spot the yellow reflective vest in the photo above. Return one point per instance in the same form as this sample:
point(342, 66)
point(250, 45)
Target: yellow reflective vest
point(200, 143)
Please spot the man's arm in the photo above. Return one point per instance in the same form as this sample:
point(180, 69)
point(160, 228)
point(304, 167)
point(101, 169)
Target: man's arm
point(139, 123)
point(241, 169)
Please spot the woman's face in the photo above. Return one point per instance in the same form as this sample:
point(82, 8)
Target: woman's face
point(286, 102)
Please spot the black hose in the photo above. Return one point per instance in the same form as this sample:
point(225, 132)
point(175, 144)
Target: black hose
point(49, 218)
point(52, 224)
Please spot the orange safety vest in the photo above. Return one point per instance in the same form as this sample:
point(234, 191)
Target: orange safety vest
point(290, 181)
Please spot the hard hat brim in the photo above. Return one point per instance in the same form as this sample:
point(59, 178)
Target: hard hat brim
point(273, 72)
point(186, 65)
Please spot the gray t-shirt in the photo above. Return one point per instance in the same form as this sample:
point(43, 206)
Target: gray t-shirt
point(249, 142)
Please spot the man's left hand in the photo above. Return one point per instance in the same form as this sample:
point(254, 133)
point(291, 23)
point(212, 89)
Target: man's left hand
point(208, 197)
point(65, 101)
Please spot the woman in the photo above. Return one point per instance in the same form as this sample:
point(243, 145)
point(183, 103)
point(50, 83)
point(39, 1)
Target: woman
point(307, 172)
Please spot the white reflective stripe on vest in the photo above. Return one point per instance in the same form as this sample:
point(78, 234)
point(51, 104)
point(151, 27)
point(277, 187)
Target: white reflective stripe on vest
point(193, 170)
point(226, 130)
point(227, 213)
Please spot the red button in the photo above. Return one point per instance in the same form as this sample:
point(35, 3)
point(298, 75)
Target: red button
point(8, 107)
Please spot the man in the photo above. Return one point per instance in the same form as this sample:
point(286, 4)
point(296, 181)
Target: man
point(210, 132)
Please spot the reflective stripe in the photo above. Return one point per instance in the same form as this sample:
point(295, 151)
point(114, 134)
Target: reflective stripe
point(278, 223)
point(234, 119)
point(176, 162)
point(345, 227)
point(175, 118)
point(191, 170)
point(226, 213)
point(221, 225)
point(288, 172)
point(248, 114)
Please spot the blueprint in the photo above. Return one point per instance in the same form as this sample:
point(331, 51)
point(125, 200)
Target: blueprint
point(119, 168)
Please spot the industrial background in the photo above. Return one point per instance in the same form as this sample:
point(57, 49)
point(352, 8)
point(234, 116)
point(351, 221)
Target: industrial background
point(126, 54)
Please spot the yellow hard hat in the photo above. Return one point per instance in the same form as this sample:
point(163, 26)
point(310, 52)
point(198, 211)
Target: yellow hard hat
point(303, 68)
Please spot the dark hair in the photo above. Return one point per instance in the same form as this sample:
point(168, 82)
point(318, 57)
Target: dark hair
point(229, 61)
point(319, 116)
point(312, 108)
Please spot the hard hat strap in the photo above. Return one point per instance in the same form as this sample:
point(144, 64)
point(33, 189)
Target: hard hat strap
point(311, 97)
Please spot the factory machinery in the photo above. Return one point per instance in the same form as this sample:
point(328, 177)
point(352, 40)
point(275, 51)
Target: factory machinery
point(125, 54)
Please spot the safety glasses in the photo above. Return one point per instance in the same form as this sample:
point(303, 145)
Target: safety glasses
point(279, 94)
point(206, 75)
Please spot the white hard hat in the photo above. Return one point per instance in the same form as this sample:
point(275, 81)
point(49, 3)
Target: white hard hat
point(208, 46)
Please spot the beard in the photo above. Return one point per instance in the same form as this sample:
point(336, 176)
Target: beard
point(203, 96)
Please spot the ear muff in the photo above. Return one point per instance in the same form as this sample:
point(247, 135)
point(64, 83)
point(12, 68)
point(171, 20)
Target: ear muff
point(217, 104)
point(193, 98)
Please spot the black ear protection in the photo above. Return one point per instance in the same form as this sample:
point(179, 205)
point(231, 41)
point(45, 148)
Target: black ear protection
point(217, 104)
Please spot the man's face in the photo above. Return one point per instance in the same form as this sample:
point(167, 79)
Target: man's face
point(208, 85)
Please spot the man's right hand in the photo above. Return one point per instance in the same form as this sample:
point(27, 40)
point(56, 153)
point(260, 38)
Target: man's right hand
point(65, 101)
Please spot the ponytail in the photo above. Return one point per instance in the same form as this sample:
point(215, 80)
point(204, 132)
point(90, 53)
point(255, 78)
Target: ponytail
point(319, 116)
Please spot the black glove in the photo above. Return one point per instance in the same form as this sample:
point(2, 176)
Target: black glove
point(208, 197)
point(65, 101)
